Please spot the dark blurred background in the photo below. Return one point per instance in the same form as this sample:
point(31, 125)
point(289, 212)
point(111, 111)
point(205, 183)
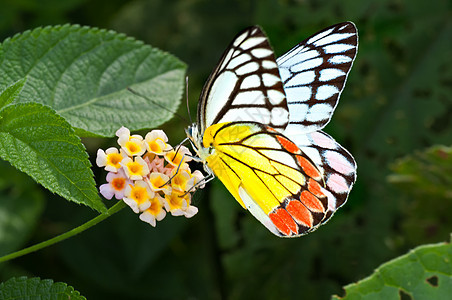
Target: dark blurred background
point(397, 101)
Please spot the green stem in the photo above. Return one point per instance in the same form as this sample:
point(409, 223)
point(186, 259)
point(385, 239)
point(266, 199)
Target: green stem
point(112, 210)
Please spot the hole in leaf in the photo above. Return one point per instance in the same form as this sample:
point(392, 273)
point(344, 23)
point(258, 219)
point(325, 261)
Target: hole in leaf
point(404, 296)
point(433, 281)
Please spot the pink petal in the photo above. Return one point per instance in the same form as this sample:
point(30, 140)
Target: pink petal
point(107, 191)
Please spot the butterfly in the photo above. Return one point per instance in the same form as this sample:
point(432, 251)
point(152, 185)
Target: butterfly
point(259, 127)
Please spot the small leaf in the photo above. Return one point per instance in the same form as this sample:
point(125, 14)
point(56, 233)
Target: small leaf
point(83, 73)
point(11, 92)
point(37, 141)
point(423, 273)
point(35, 288)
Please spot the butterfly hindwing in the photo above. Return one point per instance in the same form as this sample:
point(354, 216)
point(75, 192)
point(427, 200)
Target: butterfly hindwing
point(314, 74)
point(245, 85)
point(336, 164)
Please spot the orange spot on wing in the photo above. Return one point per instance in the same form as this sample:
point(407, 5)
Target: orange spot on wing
point(311, 202)
point(299, 212)
point(283, 221)
point(308, 167)
point(288, 145)
point(315, 188)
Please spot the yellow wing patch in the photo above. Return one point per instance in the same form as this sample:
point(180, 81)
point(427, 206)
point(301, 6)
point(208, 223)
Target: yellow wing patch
point(283, 184)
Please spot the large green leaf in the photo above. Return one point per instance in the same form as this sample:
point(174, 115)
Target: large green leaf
point(35, 288)
point(37, 141)
point(83, 73)
point(423, 273)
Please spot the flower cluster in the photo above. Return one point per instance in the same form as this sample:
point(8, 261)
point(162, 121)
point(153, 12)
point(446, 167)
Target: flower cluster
point(149, 175)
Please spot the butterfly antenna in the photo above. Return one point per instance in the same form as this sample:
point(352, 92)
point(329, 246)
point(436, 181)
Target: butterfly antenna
point(186, 97)
point(158, 104)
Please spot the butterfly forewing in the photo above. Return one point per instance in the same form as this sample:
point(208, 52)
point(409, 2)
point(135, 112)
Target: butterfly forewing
point(314, 74)
point(245, 86)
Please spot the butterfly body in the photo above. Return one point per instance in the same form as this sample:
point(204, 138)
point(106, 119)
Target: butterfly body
point(259, 131)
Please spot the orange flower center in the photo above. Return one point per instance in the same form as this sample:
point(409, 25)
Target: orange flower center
point(114, 159)
point(133, 148)
point(158, 182)
point(155, 147)
point(180, 181)
point(139, 194)
point(175, 200)
point(135, 167)
point(176, 159)
point(118, 183)
point(155, 207)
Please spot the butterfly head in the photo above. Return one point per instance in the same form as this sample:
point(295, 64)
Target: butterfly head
point(195, 137)
point(193, 134)
point(196, 140)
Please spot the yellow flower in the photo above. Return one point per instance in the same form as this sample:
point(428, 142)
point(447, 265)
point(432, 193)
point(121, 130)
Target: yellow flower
point(155, 212)
point(138, 196)
point(140, 173)
point(135, 169)
point(132, 145)
point(117, 183)
point(175, 156)
point(182, 181)
point(158, 182)
point(156, 142)
point(176, 202)
point(110, 159)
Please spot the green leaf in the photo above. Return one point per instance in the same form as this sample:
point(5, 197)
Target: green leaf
point(11, 92)
point(21, 204)
point(423, 273)
point(37, 141)
point(83, 73)
point(35, 288)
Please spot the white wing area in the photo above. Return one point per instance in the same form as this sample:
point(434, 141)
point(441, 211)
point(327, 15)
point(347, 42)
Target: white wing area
point(257, 211)
point(245, 86)
point(314, 74)
point(336, 163)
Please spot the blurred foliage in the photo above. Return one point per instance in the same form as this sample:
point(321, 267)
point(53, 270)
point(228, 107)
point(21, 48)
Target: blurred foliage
point(21, 204)
point(396, 100)
point(427, 179)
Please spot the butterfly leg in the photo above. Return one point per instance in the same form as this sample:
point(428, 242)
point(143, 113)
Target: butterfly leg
point(195, 158)
point(210, 176)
